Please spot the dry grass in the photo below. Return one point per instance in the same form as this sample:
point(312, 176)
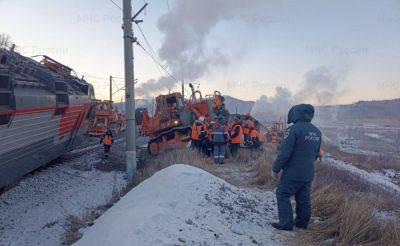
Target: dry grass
point(179, 156)
point(263, 166)
point(345, 203)
point(73, 233)
point(348, 220)
point(326, 201)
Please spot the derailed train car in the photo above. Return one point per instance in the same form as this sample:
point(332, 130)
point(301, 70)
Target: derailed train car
point(44, 113)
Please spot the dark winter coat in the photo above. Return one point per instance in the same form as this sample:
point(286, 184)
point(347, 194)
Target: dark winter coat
point(301, 146)
point(220, 134)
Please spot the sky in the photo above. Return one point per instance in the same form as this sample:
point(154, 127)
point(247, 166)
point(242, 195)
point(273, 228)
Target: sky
point(323, 52)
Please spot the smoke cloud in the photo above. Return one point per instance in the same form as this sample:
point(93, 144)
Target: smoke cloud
point(320, 86)
point(273, 108)
point(186, 27)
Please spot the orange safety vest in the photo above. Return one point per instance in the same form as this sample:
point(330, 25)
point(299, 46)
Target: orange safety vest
point(255, 133)
point(196, 129)
point(239, 138)
point(246, 130)
point(107, 140)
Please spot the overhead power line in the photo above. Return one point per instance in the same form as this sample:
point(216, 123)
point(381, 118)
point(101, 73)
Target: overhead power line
point(158, 63)
point(116, 5)
point(153, 55)
point(148, 44)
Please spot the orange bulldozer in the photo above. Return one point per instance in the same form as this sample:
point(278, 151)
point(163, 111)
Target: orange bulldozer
point(170, 126)
point(106, 117)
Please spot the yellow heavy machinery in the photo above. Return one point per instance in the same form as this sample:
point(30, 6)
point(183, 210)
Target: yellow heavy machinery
point(170, 126)
point(105, 118)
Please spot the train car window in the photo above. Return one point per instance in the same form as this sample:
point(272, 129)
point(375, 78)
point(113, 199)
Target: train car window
point(62, 98)
point(5, 99)
point(59, 111)
point(5, 119)
point(3, 60)
point(4, 81)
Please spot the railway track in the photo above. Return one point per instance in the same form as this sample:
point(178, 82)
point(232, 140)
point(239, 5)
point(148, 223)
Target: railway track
point(90, 151)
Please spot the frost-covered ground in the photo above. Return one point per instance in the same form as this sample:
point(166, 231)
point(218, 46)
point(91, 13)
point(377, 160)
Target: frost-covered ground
point(184, 205)
point(36, 211)
point(375, 178)
point(366, 139)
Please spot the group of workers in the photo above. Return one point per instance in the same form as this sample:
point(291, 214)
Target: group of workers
point(217, 137)
point(294, 165)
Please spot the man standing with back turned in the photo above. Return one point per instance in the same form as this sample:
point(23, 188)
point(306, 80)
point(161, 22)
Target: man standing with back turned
point(296, 159)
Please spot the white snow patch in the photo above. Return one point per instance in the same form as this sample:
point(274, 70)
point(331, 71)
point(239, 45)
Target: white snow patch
point(389, 174)
point(373, 135)
point(36, 211)
point(387, 215)
point(184, 205)
point(374, 178)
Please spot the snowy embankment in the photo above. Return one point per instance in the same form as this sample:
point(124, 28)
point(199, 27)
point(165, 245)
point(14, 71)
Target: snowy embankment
point(184, 205)
point(36, 210)
point(373, 178)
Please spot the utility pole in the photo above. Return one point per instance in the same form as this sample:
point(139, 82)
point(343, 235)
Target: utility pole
point(129, 91)
point(183, 88)
point(110, 88)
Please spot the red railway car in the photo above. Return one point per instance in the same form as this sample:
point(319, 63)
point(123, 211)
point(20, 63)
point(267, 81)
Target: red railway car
point(44, 113)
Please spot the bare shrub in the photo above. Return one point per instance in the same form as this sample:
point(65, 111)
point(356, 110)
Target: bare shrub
point(5, 40)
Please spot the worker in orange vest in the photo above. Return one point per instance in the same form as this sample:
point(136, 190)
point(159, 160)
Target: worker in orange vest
point(256, 138)
point(199, 133)
point(107, 140)
point(208, 146)
point(248, 125)
point(236, 138)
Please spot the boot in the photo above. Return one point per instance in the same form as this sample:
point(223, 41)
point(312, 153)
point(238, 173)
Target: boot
point(279, 227)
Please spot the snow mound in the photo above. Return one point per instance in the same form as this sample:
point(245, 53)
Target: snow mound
point(184, 205)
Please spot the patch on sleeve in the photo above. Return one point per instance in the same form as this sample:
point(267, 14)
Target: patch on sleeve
point(287, 132)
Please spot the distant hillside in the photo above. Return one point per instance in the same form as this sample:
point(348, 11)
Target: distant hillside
point(380, 112)
point(236, 105)
point(385, 112)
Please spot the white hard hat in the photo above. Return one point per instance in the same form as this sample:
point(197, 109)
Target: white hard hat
point(201, 118)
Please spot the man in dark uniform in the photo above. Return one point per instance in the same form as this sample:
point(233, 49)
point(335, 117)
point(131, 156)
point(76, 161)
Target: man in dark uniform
point(220, 139)
point(296, 159)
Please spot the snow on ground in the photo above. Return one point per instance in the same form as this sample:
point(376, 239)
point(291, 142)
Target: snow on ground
point(374, 178)
point(184, 205)
point(372, 135)
point(389, 174)
point(36, 211)
point(351, 145)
